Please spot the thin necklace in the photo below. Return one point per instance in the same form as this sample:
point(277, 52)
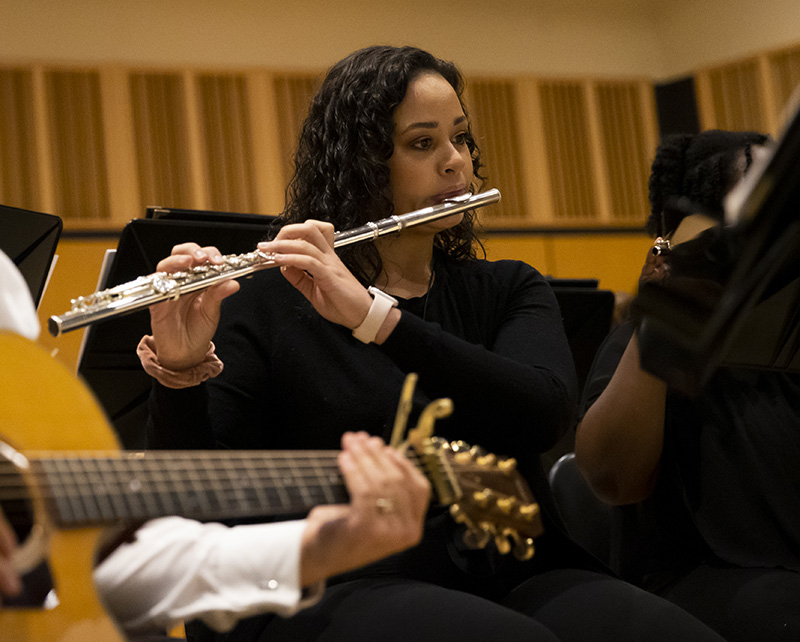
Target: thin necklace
point(428, 292)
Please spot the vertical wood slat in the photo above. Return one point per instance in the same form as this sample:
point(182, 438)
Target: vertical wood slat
point(534, 170)
point(123, 195)
point(161, 139)
point(198, 167)
point(268, 168)
point(734, 96)
point(78, 143)
point(226, 133)
point(19, 167)
point(293, 93)
point(623, 115)
point(564, 116)
point(493, 111)
point(785, 82)
point(599, 153)
point(769, 106)
point(44, 156)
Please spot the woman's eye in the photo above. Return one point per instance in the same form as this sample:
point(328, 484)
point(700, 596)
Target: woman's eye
point(461, 139)
point(422, 143)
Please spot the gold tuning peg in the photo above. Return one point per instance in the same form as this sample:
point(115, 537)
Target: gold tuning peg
point(463, 457)
point(506, 504)
point(478, 451)
point(476, 537)
point(460, 446)
point(502, 544)
point(523, 548)
point(487, 460)
point(507, 465)
point(458, 514)
point(483, 497)
point(529, 511)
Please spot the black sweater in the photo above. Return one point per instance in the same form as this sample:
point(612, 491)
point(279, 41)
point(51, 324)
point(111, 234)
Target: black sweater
point(488, 335)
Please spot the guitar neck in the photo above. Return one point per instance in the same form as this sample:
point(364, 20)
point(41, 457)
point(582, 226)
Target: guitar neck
point(98, 490)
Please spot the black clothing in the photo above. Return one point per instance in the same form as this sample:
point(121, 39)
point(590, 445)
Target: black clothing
point(727, 495)
point(488, 336)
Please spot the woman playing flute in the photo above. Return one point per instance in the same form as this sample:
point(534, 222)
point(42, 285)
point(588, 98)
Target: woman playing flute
point(323, 345)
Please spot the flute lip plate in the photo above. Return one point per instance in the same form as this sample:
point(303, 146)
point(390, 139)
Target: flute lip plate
point(458, 199)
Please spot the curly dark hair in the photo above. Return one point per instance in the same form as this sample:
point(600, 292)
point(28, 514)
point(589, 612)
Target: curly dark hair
point(341, 164)
point(699, 167)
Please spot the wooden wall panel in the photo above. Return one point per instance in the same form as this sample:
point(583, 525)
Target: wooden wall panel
point(78, 144)
point(293, 94)
point(732, 97)
point(492, 108)
point(565, 119)
point(161, 139)
point(19, 171)
point(785, 70)
point(227, 141)
point(627, 149)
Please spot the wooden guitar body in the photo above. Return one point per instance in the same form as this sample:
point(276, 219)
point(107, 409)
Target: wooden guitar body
point(43, 407)
point(59, 457)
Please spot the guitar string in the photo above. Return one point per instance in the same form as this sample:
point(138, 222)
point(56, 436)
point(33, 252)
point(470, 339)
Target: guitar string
point(155, 473)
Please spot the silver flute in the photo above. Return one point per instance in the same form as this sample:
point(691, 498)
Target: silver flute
point(161, 286)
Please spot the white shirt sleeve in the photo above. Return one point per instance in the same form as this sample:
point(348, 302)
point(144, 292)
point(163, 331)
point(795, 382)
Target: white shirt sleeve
point(17, 311)
point(178, 569)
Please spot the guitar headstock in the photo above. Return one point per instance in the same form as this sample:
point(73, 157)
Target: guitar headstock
point(486, 494)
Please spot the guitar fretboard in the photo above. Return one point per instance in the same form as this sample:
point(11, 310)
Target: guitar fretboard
point(83, 491)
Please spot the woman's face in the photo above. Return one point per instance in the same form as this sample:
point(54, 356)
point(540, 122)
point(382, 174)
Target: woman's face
point(431, 161)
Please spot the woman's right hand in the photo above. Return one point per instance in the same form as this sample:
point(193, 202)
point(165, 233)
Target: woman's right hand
point(183, 328)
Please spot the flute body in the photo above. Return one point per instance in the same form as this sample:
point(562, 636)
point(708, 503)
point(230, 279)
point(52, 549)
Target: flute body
point(161, 286)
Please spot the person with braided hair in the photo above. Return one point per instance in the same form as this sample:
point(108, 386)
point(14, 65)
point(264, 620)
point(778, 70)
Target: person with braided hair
point(707, 485)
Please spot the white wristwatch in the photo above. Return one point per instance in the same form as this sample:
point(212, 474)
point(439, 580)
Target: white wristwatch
point(382, 303)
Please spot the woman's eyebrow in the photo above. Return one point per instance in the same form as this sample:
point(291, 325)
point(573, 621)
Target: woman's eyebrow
point(433, 124)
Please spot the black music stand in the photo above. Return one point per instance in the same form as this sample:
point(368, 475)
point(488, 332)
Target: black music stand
point(108, 362)
point(30, 239)
point(587, 313)
point(745, 310)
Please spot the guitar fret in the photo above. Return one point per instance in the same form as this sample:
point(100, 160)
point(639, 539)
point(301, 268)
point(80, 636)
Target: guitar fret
point(258, 486)
point(197, 496)
point(278, 488)
point(324, 483)
point(303, 489)
point(176, 479)
point(66, 496)
point(93, 479)
point(109, 472)
point(159, 484)
point(212, 483)
point(237, 494)
point(140, 484)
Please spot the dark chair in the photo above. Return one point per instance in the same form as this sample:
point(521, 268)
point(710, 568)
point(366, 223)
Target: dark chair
point(588, 520)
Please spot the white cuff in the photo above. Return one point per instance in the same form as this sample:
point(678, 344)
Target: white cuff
point(382, 303)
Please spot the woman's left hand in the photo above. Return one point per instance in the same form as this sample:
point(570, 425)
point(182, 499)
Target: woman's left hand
point(307, 259)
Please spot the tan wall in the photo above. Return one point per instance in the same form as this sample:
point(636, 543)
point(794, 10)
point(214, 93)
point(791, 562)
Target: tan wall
point(696, 34)
point(499, 36)
point(584, 37)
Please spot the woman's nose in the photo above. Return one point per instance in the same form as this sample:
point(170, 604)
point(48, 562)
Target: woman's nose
point(454, 158)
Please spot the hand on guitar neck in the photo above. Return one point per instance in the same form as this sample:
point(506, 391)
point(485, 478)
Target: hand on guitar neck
point(388, 500)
